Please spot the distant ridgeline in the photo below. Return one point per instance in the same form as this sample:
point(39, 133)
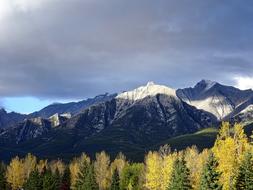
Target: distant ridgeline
point(132, 122)
point(226, 165)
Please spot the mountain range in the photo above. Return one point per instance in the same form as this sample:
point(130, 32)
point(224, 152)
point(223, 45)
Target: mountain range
point(132, 122)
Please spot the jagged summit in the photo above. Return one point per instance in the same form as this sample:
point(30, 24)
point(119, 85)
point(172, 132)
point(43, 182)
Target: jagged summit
point(151, 89)
point(205, 84)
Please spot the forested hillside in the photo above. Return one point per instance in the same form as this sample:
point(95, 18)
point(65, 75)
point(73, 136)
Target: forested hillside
point(227, 165)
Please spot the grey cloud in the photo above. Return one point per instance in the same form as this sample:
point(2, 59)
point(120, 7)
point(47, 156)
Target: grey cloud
point(80, 48)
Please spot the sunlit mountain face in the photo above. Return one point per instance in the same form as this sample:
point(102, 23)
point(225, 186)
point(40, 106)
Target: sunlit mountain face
point(131, 121)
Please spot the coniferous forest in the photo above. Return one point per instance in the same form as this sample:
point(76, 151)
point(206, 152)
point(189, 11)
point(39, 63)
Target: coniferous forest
point(227, 165)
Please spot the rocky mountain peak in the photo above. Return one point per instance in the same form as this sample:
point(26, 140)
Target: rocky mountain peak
point(151, 89)
point(205, 84)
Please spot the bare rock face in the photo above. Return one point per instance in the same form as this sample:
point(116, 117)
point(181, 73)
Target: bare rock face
point(152, 110)
point(215, 98)
point(58, 119)
point(26, 130)
point(133, 120)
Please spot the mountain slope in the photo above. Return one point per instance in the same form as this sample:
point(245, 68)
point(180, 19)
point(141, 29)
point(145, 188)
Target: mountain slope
point(31, 129)
point(132, 121)
point(215, 98)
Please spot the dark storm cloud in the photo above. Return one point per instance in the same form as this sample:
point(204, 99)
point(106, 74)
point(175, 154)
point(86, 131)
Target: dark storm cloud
point(79, 48)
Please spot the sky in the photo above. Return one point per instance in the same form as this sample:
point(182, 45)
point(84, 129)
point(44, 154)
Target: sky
point(62, 50)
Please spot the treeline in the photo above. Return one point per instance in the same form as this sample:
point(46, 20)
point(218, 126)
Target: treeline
point(228, 165)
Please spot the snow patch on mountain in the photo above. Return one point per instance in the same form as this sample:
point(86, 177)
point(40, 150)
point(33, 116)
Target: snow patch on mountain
point(151, 89)
point(215, 105)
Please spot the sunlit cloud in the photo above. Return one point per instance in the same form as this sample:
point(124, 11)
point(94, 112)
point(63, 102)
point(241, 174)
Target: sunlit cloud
point(7, 7)
point(75, 49)
point(243, 82)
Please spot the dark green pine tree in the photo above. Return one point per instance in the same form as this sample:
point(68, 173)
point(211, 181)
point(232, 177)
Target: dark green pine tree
point(50, 181)
point(210, 176)
point(34, 182)
point(87, 179)
point(90, 182)
point(115, 181)
point(180, 176)
point(65, 182)
point(82, 175)
point(244, 179)
point(3, 182)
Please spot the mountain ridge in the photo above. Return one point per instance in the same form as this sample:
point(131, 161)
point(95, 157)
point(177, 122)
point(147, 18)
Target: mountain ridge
point(130, 121)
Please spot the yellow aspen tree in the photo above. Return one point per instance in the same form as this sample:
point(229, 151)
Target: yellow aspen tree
point(42, 164)
point(228, 150)
point(195, 162)
point(167, 169)
point(119, 162)
point(241, 141)
point(102, 170)
point(30, 164)
point(57, 165)
point(153, 163)
point(225, 153)
point(15, 173)
point(84, 157)
point(74, 170)
point(202, 159)
point(192, 162)
point(203, 156)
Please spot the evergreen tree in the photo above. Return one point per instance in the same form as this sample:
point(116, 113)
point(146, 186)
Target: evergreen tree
point(82, 175)
point(244, 179)
point(65, 182)
point(131, 177)
point(90, 182)
point(3, 181)
point(210, 175)
point(50, 181)
point(87, 178)
point(115, 180)
point(34, 182)
point(180, 176)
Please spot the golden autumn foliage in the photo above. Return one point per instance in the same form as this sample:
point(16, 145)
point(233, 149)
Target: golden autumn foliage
point(30, 163)
point(42, 165)
point(167, 169)
point(74, 170)
point(102, 170)
point(57, 165)
point(153, 171)
point(16, 174)
point(156, 172)
point(119, 163)
point(229, 149)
